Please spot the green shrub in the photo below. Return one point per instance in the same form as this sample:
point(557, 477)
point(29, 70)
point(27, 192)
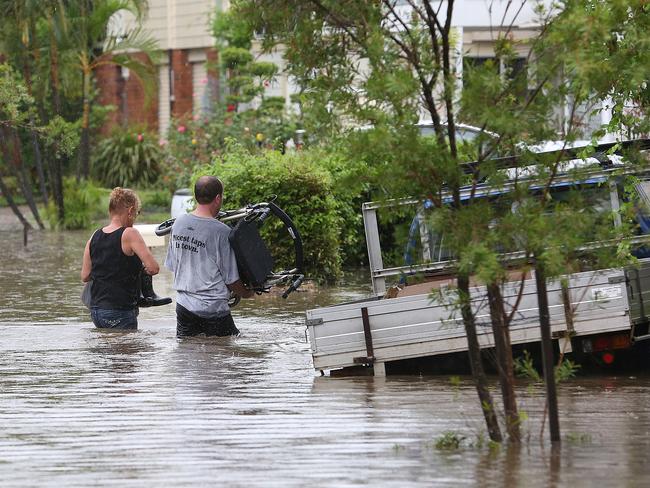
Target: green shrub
point(155, 206)
point(128, 158)
point(12, 186)
point(525, 368)
point(304, 191)
point(449, 441)
point(191, 143)
point(350, 191)
point(155, 199)
point(83, 205)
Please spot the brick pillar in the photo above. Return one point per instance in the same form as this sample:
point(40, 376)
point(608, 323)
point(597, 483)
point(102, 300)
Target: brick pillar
point(109, 85)
point(182, 79)
point(139, 107)
point(132, 107)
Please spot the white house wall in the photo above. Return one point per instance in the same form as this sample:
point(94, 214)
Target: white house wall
point(185, 24)
point(180, 24)
point(484, 13)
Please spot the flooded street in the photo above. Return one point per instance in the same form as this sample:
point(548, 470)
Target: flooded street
point(84, 407)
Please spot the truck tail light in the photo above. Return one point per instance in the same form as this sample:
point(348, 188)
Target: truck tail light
point(608, 358)
point(616, 341)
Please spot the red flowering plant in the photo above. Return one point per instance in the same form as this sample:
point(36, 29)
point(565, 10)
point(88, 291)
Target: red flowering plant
point(190, 143)
point(195, 142)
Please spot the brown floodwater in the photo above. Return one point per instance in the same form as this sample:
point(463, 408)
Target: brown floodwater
point(84, 407)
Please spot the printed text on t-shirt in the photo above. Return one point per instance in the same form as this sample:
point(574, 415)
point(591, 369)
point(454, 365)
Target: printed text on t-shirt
point(188, 243)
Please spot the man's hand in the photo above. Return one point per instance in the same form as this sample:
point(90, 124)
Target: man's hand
point(239, 289)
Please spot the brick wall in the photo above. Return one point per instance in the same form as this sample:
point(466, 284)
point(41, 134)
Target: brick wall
point(141, 108)
point(127, 96)
point(109, 85)
point(182, 79)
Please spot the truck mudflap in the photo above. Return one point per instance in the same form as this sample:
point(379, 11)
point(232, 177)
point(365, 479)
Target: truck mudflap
point(637, 282)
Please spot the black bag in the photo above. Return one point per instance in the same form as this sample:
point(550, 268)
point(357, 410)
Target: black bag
point(254, 260)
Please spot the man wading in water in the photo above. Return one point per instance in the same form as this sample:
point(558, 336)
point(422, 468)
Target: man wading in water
point(204, 266)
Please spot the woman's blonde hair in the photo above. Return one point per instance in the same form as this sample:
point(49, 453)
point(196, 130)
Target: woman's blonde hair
point(123, 199)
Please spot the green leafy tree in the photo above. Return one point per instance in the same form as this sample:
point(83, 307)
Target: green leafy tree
point(56, 46)
point(15, 109)
point(17, 113)
point(253, 117)
point(361, 63)
point(19, 33)
point(245, 76)
point(302, 187)
point(31, 41)
point(88, 36)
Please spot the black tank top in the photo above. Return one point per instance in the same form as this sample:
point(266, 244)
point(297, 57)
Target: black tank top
point(114, 274)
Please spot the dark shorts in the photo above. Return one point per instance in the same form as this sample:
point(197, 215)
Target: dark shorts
point(190, 324)
point(115, 319)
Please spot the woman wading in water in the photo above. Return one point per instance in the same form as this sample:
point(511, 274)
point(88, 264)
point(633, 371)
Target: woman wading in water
point(114, 257)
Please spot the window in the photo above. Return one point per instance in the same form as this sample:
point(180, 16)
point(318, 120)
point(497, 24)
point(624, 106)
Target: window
point(515, 70)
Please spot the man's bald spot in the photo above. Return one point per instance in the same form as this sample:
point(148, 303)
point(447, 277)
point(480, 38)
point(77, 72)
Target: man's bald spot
point(207, 188)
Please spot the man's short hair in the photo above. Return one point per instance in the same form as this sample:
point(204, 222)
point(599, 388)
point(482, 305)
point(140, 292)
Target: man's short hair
point(207, 188)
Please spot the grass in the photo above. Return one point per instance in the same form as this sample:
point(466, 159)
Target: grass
point(449, 441)
point(578, 438)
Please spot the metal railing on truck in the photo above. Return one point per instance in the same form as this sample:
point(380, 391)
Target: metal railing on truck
point(607, 168)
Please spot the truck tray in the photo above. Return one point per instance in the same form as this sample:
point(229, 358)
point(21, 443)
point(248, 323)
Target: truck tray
point(419, 325)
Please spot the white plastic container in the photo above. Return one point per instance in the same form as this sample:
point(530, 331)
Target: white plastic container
point(182, 202)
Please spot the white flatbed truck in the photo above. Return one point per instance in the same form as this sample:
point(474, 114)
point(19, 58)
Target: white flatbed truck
point(599, 312)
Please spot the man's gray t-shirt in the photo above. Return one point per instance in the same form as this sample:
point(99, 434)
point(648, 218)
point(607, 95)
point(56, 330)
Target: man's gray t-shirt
point(203, 263)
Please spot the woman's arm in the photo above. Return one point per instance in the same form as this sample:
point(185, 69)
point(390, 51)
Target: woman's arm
point(87, 265)
point(132, 242)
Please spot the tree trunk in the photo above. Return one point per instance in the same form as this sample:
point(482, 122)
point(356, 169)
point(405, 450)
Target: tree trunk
point(12, 204)
point(547, 352)
point(29, 196)
point(474, 352)
point(57, 186)
point(84, 155)
point(84, 147)
point(54, 69)
point(25, 184)
point(13, 157)
point(504, 361)
point(55, 164)
point(56, 183)
point(38, 160)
